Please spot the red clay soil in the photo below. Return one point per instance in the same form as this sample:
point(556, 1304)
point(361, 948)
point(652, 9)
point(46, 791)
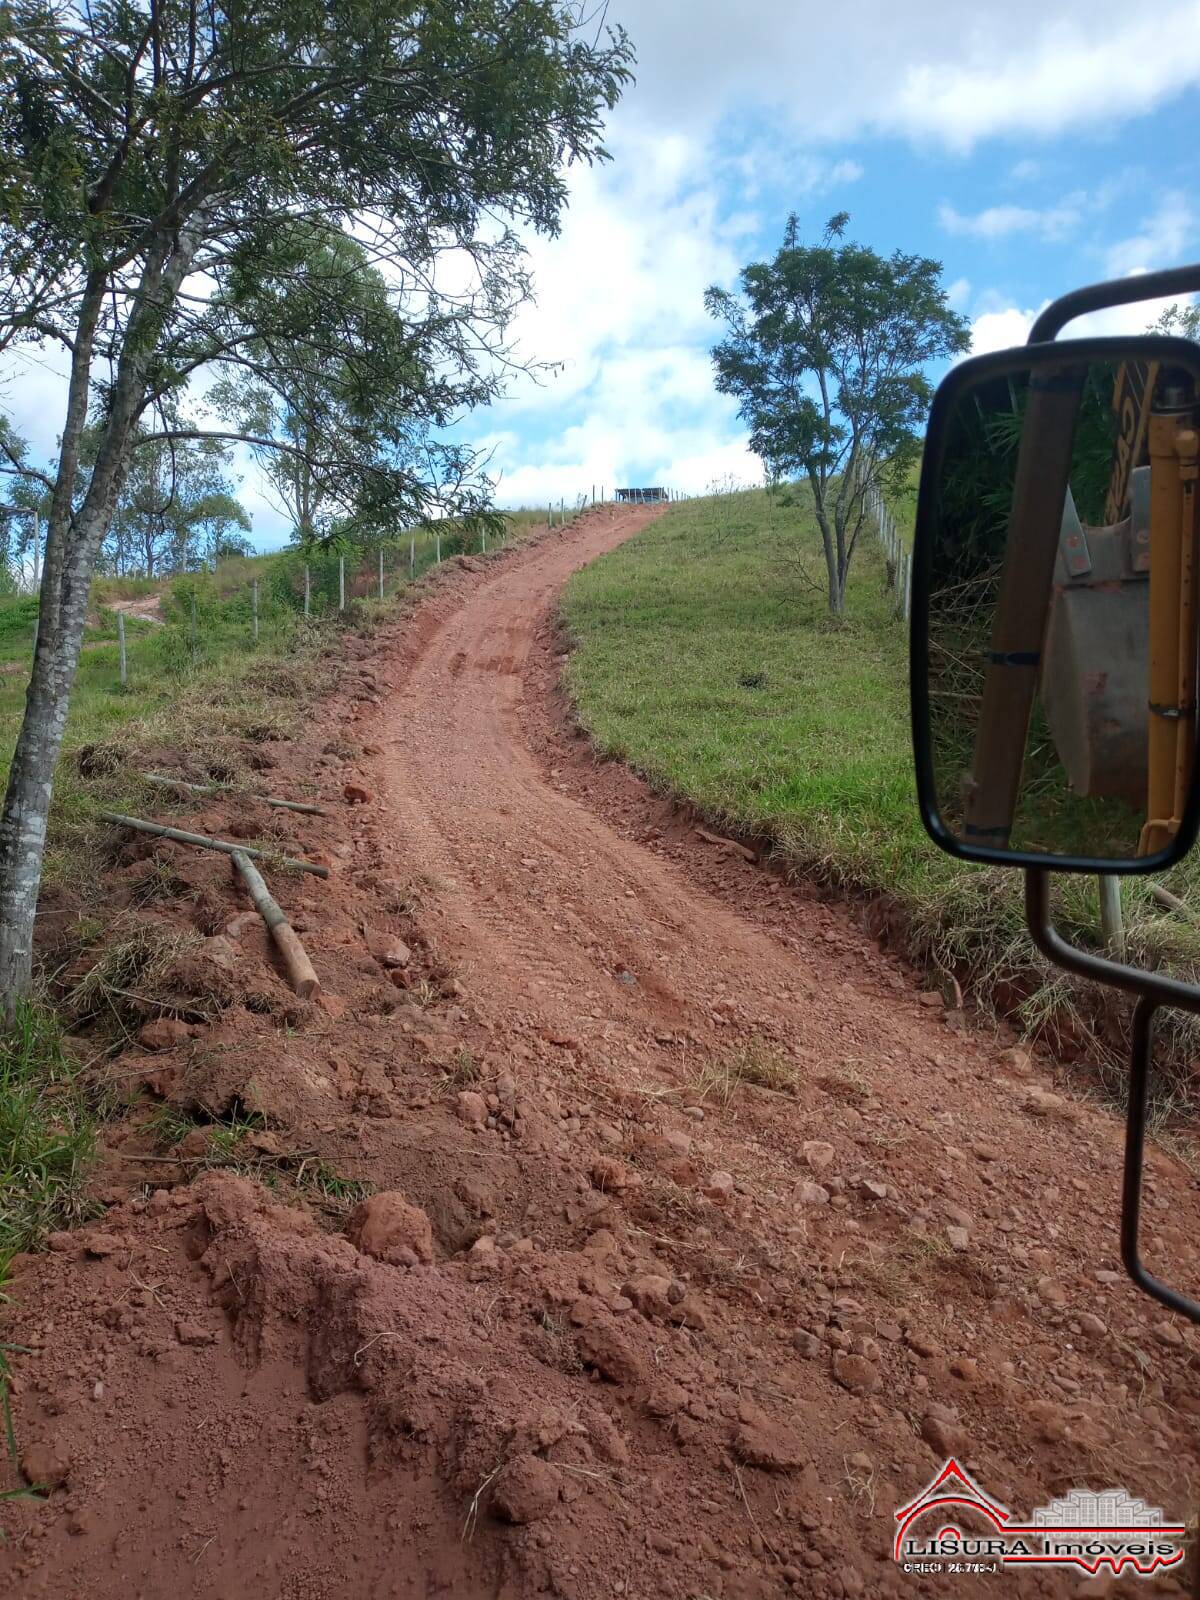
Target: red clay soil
point(602, 1330)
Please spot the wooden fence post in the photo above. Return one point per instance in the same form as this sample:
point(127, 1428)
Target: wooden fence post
point(1112, 922)
point(438, 546)
point(412, 554)
point(307, 590)
point(341, 583)
point(121, 670)
point(381, 572)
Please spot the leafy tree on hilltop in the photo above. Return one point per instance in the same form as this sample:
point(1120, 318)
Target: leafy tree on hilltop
point(826, 350)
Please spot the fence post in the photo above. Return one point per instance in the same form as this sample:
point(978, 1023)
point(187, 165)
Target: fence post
point(307, 590)
point(412, 555)
point(438, 545)
point(483, 536)
point(381, 572)
point(254, 607)
point(341, 583)
point(195, 630)
point(1112, 923)
point(121, 673)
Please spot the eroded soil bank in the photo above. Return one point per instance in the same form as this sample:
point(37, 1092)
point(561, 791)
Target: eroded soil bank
point(699, 1236)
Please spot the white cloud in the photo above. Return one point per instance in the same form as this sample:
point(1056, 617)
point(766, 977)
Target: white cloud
point(928, 69)
point(999, 328)
point(959, 293)
point(998, 222)
point(1164, 238)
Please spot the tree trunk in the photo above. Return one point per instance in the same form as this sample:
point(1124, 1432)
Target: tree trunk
point(73, 542)
point(31, 778)
point(836, 587)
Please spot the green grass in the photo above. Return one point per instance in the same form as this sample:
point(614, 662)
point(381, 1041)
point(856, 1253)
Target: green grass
point(706, 659)
point(47, 1133)
point(106, 590)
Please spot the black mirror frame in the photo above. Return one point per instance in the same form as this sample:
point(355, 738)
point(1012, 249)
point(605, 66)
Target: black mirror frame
point(1164, 348)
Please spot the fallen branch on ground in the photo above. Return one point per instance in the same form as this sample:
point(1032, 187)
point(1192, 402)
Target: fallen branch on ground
point(300, 971)
point(1171, 902)
point(225, 846)
point(162, 781)
point(728, 844)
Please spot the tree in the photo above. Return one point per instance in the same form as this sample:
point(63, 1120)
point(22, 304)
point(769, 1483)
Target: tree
point(360, 384)
point(827, 353)
point(175, 506)
point(1183, 321)
point(154, 154)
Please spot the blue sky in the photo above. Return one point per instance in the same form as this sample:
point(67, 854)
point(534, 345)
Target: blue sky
point(1030, 146)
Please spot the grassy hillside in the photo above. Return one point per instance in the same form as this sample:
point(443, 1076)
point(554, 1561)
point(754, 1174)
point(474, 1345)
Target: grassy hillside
point(706, 659)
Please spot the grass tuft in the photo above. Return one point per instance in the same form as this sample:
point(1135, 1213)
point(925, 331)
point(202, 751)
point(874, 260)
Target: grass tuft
point(132, 976)
point(755, 1062)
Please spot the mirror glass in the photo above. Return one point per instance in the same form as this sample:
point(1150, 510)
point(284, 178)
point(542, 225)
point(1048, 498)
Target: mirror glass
point(1062, 608)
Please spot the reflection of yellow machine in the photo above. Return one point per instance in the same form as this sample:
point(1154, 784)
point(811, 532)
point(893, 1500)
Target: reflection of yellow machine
point(1115, 655)
point(1119, 659)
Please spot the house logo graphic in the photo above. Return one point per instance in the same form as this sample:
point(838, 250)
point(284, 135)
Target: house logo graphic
point(965, 1529)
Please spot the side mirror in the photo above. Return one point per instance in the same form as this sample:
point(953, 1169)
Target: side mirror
point(1056, 597)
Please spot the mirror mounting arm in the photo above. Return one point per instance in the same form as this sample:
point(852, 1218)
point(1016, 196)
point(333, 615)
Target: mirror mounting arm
point(1115, 292)
point(1152, 990)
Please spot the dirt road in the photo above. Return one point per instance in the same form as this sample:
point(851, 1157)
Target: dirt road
point(704, 1236)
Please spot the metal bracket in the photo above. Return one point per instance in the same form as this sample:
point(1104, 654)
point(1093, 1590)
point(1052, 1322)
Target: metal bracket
point(1072, 541)
point(1152, 990)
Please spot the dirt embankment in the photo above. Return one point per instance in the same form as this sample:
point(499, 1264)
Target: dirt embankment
point(700, 1236)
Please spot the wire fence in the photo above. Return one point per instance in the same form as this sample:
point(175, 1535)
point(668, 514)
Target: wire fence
point(247, 595)
point(898, 556)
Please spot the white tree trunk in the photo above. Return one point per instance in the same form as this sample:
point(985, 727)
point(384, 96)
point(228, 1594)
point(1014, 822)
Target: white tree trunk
point(31, 778)
point(73, 540)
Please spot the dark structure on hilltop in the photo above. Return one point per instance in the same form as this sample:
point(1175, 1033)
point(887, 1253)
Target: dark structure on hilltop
point(643, 496)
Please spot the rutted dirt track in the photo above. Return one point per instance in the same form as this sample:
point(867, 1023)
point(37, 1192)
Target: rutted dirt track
point(613, 1335)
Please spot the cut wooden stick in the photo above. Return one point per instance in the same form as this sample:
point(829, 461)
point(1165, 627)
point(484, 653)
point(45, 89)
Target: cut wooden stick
point(162, 781)
point(1171, 902)
point(300, 970)
point(729, 844)
point(202, 840)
